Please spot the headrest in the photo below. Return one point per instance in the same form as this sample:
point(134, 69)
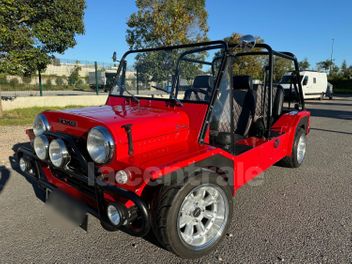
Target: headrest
point(203, 81)
point(242, 82)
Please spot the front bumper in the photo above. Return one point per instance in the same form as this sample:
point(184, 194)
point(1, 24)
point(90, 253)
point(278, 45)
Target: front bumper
point(137, 213)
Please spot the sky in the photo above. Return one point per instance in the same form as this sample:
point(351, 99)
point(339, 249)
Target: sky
point(305, 28)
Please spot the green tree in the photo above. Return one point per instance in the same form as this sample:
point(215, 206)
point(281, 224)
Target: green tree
point(167, 22)
point(304, 64)
point(281, 66)
point(346, 72)
point(334, 73)
point(325, 65)
point(254, 66)
point(247, 65)
point(31, 30)
point(74, 76)
point(164, 23)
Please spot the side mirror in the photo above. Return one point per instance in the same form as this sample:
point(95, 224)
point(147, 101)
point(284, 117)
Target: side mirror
point(247, 42)
point(114, 56)
point(305, 81)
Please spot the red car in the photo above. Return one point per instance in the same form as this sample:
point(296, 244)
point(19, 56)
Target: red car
point(183, 128)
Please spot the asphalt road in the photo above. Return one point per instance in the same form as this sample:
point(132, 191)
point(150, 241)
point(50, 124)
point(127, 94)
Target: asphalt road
point(290, 215)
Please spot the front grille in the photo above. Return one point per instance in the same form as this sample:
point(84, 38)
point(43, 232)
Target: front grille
point(76, 173)
point(75, 182)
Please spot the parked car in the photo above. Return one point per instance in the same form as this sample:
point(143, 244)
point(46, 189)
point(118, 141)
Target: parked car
point(314, 84)
point(169, 165)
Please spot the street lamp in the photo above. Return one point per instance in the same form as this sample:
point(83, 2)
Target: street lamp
point(332, 54)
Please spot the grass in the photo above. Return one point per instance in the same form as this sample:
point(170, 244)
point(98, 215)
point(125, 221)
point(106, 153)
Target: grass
point(25, 116)
point(29, 87)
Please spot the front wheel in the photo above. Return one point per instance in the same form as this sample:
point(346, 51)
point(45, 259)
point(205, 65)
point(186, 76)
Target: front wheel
point(192, 219)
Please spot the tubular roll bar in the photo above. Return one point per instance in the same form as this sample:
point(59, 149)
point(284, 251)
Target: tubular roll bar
point(266, 50)
point(270, 52)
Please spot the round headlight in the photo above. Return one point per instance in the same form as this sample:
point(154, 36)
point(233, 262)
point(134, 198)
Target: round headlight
point(100, 145)
point(114, 214)
point(40, 125)
point(41, 146)
point(58, 153)
point(24, 164)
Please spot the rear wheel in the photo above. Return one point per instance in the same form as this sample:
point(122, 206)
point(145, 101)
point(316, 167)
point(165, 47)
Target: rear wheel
point(192, 219)
point(298, 151)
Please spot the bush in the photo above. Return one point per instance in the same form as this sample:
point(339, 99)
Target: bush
point(80, 85)
point(14, 82)
point(74, 76)
point(48, 84)
point(342, 86)
point(3, 79)
point(27, 79)
point(59, 81)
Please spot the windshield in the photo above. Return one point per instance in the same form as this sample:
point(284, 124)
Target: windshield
point(185, 74)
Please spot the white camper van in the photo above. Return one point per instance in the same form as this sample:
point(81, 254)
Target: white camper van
point(314, 84)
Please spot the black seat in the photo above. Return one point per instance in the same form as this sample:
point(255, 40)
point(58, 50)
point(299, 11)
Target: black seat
point(262, 106)
point(278, 102)
point(201, 89)
point(244, 104)
point(243, 113)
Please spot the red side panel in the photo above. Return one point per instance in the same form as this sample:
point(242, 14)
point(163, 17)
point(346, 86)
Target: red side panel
point(288, 124)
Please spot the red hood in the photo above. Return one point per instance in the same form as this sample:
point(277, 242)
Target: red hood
point(151, 127)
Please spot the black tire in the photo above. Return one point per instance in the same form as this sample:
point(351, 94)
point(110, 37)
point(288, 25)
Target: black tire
point(165, 212)
point(321, 98)
point(293, 161)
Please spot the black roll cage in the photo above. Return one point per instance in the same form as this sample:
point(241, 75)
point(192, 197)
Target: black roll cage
point(226, 47)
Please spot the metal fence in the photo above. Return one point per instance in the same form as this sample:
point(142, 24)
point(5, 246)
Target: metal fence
point(61, 77)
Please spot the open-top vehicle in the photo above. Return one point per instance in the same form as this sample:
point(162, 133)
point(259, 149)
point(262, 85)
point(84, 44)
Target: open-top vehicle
point(182, 130)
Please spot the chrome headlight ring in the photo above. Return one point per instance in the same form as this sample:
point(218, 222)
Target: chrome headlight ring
point(40, 125)
point(100, 145)
point(41, 147)
point(58, 153)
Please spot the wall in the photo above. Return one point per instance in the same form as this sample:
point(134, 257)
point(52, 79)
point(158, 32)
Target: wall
point(82, 100)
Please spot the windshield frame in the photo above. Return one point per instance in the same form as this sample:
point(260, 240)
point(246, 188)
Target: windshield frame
point(175, 85)
point(219, 44)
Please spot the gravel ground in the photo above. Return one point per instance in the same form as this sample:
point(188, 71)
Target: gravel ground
point(9, 136)
point(294, 216)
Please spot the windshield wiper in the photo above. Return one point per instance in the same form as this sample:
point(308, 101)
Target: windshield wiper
point(175, 100)
point(132, 96)
point(160, 89)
